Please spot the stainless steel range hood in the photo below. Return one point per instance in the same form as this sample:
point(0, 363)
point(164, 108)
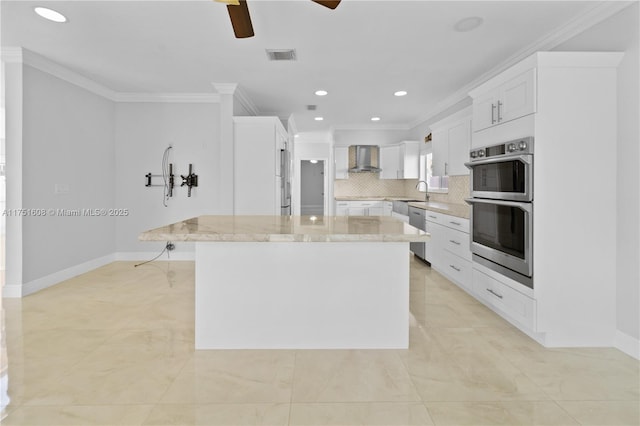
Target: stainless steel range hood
point(366, 156)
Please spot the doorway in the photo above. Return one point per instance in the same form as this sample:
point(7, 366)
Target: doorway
point(312, 187)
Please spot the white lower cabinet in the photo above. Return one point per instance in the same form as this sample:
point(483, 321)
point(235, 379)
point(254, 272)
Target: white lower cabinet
point(387, 208)
point(448, 250)
point(363, 208)
point(456, 269)
point(505, 300)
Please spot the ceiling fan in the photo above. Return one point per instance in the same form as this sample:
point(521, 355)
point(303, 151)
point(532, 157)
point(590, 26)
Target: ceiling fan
point(241, 21)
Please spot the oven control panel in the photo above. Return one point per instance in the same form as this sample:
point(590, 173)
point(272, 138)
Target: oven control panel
point(518, 146)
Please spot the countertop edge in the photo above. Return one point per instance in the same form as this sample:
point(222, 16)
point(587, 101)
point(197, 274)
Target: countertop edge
point(458, 210)
point(287, 238)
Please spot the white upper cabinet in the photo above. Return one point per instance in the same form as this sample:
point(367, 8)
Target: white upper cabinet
point(451, 140)
point(409, 160)
point(507, 101)
point(400, 161)
point(390, 161)
point(341, 158)
point(440, 152)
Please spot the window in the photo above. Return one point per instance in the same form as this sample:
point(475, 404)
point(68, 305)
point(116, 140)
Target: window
point(436, 183)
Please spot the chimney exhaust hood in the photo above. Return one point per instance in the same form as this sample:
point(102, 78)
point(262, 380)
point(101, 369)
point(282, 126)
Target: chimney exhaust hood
point(364, 159)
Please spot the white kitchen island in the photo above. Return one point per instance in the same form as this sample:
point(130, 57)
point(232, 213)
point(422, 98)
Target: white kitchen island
point(276, 282)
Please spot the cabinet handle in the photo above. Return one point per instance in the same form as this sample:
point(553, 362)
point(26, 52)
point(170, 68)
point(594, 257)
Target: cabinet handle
point(454, 268)
point(499, 105)
point(499, 296)
point(454, 242)
point(455, 223)
point(433, 217)
point(445, 169)
point(493, 109)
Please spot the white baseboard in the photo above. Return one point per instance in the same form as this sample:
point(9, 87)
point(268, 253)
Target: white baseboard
point(65, 274)
point(627, 344)
point(141, 256)
point(17, 291)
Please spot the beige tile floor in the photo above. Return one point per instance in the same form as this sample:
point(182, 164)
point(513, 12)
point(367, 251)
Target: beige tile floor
point(115, 347)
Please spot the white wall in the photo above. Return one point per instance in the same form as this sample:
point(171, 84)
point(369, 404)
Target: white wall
point(67, 139)
point(143, 131)
point(620, 33)
point(369, 137)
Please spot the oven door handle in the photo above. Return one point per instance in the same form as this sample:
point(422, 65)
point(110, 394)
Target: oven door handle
point(526, 159)
point(522, 206)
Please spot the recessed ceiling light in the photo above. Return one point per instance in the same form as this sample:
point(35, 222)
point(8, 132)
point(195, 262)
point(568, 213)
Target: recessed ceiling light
point(400, 93)
point(322, 92)
point(319, 118)
point(50, 14)
point(468, 24)
point(375, 118)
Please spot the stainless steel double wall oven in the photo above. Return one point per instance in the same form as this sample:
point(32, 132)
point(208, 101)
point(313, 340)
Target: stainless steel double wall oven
point(502, 208)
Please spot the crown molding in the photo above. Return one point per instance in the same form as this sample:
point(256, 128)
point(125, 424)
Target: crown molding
point(225, 88)
point(598, 13)
point(167, 97)
point(39, 62)
point(241, 96)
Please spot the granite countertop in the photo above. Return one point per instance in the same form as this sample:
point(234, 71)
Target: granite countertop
point(288, 229)
point(458, 210)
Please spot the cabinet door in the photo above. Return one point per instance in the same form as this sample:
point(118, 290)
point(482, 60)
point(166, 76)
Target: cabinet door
point(255, 181)
point(389, 161)
point(409, 160)
point(375, 211)
point(484, 111)
point(357, 211)
point(429, 245)
point(388, 208)
point(459, 142)
point(440, 153)
point(342, 208)
point(517, 97)
point(341, 158)
point(438, 235)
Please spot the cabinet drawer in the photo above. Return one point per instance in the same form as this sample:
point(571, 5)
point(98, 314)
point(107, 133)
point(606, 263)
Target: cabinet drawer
point(503, 298)
point(433, 217)
point(456, 268)
point(457, 242)
point(453, 222)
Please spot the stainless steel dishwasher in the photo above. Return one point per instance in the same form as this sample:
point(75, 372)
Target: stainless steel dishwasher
point(417, 218)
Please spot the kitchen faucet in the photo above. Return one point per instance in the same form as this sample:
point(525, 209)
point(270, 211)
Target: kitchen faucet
point(426, 193)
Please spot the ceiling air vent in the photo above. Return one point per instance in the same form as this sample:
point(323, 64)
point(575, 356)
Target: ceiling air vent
point(312, 107)
point(281, 54)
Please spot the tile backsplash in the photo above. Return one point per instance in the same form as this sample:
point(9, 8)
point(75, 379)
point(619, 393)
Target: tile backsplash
point(365, 184)
point(369, 184)
point(459, 189)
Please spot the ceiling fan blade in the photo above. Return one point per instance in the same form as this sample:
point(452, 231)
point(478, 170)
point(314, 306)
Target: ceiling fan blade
point(240, 19)
point(331, 4)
